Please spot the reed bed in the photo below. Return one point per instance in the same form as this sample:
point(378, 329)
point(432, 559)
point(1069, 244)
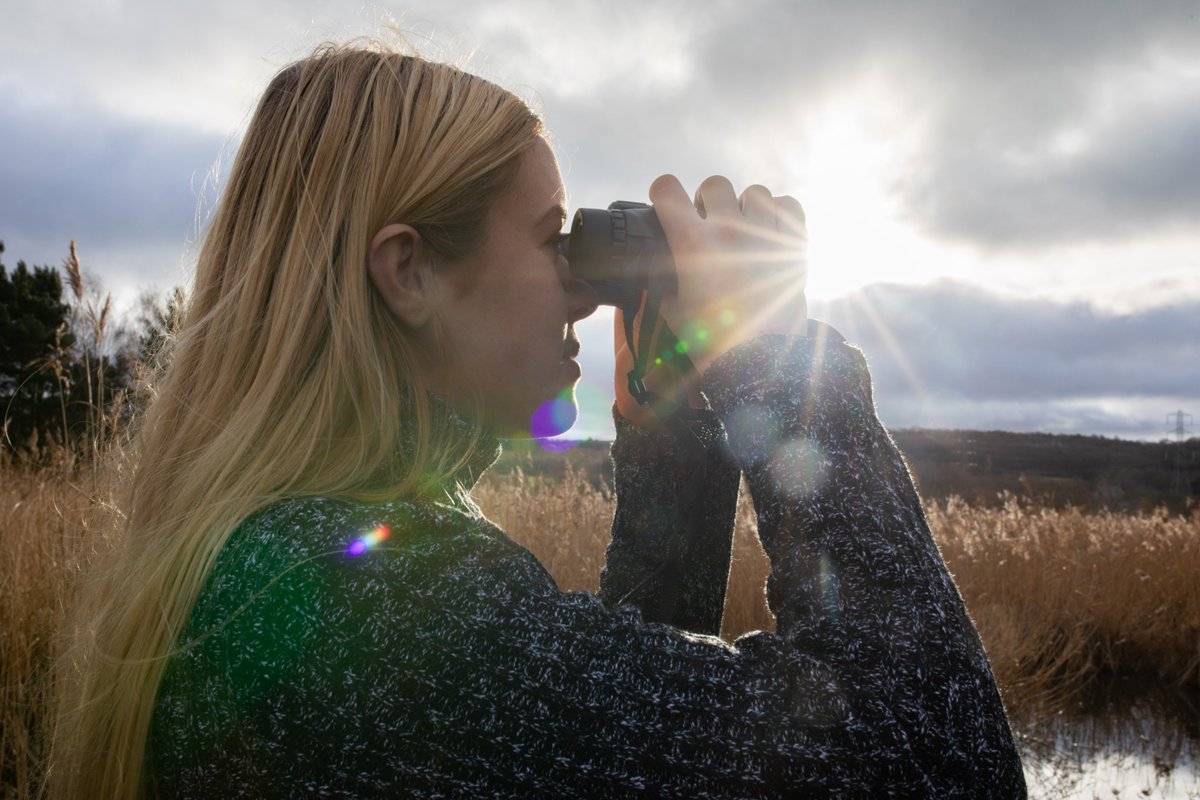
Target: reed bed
point(565, 523)
point(1062, 598)
point(51, 515)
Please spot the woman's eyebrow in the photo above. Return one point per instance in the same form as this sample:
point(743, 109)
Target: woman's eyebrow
point(557, 213)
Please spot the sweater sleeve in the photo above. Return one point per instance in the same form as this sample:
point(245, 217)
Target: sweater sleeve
point(672, 531)
point(857, 580)
point(445, 662)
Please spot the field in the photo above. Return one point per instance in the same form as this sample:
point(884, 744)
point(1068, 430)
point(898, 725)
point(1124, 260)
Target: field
point(1061, 597)
point(1065, 600)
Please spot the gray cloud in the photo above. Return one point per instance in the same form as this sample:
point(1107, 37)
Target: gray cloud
point(1030, 123)
point(953, 355)
point(1143, 420)
point(78, 173)
point(1025, 126)
point(1033, 123)
point(1119, 178)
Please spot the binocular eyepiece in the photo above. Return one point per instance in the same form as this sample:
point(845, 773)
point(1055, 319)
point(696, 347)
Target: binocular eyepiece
point(620, 252)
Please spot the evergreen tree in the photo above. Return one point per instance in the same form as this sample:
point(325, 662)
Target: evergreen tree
point(67, 369)
point(33, 329)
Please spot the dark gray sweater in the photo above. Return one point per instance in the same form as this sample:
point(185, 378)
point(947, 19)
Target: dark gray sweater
point(442, 661)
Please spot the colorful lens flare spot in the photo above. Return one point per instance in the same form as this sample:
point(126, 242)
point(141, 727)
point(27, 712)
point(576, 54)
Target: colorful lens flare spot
point(552, 418)
point(367, 541)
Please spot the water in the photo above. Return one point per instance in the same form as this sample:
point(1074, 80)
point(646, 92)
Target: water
point(1126, 740)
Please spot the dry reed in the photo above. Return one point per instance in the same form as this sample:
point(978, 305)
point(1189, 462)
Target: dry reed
point(52, 510)
point(1060, 597)
point(564, 523)
point(56, 511)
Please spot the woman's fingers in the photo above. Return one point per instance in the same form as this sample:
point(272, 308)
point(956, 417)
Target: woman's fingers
point(790, 217)
point(740, 269)
point(715, 199)
point(672, 205)
point(758, 209)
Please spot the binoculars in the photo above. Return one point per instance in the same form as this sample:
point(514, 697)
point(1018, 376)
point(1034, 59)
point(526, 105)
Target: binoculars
point(620, 252)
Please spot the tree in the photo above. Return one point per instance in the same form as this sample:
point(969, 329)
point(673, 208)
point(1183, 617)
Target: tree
point(69, 369)
point(33, 328)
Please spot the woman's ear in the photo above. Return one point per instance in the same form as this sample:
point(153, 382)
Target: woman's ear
point(400, 269)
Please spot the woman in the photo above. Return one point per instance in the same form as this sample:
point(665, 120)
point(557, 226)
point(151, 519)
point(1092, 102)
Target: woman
point(307, 602)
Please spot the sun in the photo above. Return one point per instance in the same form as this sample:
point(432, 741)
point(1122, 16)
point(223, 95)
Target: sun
point(856, 235)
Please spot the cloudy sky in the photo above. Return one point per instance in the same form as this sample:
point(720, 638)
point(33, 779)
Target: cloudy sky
point(1003, 197)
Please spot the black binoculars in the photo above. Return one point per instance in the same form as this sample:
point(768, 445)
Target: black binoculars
point(620, 252)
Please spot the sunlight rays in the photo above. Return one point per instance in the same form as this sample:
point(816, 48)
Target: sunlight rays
point(777, 290)
point(856, 149)
point(895, 350)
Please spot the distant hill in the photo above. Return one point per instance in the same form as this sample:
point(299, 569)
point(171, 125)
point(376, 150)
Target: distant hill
point(1089, 471)
point(1092, 472)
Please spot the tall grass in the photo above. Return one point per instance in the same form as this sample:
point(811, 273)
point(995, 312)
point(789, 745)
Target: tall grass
point(56, 511)
point(53, 513)
point(565, 523)
point(1061, 598)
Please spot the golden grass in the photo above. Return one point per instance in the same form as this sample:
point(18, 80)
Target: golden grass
point(564, 523)
point(1060, 597)
point(48, 513)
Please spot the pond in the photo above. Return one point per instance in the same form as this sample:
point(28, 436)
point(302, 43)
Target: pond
point(1127, 739)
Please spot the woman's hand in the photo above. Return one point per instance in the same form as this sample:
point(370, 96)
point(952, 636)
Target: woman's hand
point(741, 268)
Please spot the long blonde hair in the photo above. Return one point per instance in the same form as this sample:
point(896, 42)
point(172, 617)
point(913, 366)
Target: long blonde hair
point(289, 376)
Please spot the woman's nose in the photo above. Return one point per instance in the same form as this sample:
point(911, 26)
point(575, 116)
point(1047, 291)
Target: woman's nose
point(581, 299)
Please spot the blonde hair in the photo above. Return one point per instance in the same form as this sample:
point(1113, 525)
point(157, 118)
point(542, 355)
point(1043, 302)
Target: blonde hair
point(289, 376)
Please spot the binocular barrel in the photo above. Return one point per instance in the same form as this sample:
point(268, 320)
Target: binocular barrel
point(619, 252)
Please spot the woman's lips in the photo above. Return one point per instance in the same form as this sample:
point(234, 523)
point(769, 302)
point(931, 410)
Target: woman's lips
point(569, 352)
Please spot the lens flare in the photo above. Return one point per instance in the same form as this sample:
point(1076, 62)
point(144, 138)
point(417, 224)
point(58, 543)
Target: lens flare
point(552, 418)
point(753, 433)
point(830, 591)
point(799, 468)
point(367, 541)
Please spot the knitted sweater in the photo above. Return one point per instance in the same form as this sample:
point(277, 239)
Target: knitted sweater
point(324, 660)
